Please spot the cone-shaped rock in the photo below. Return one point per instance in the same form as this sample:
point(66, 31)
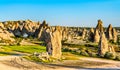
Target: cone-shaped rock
point(109, 32)
point(114, 33)
point(96, 36)
point(99, 26)
point(103, 45)
point(98, 31)
point(91, 34)
point(84, 33)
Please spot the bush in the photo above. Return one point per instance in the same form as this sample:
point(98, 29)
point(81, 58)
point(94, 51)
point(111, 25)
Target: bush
point(109, 55)
point(84, 53)
point(117, 58)
point(66, 50)
point(90, 53)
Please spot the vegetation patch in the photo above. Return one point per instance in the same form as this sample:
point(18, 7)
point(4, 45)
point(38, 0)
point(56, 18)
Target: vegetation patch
point(24, 49)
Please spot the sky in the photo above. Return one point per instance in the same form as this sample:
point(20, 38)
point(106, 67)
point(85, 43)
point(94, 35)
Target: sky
point(78, 13)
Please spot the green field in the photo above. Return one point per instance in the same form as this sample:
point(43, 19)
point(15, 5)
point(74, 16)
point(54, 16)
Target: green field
point(11, 50)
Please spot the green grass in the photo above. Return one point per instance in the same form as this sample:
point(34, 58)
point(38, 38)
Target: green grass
point(70, 56)
point(23, 49)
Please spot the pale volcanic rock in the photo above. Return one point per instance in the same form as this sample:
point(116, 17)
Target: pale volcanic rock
point(109, 32)
point(84, 33)
point(114, 33)
point(96, 36)
point(103, 45)
point(53, 40)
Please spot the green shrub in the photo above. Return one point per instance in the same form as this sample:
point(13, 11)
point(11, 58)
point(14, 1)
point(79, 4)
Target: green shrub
point(91, 54)
point(66, 49)
point(84, 53)
point(109, 55)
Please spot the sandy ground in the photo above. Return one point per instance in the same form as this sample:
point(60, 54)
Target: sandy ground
point(85, 63)
point(18, 63)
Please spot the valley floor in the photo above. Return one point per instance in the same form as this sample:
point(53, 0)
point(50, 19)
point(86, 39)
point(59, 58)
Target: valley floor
point(84, 63)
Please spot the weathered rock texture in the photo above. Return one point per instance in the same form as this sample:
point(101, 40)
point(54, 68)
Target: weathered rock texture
point(111, 33)
point(5, 36)
point(39, 31)
point(100, 26)
point(114, 34)
point(96, 36)
point(53, 39)
point(91, 35)
point(21, 28)
point(103, 45)
point(98, 31)
point(84, 33)
point(64, 34)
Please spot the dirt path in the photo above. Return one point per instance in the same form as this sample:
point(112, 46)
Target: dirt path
point(91, 63)
point(18, 63)
point(85, 63)
point(6, 67)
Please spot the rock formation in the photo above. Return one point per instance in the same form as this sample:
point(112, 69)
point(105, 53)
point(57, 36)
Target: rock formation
point(114, 34)
point(103, 45)
point(100, 26)
point(64, 34)
point(98, 31)
point(111, 49)
point(91, 35)
point(5, 36)
point(53, 41)
point(111, 33)
point(96, 36)
point(39, 31)
point(84, 33)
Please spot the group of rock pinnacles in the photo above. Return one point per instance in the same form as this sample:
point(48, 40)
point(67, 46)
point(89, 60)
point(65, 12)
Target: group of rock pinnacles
point(54, 35)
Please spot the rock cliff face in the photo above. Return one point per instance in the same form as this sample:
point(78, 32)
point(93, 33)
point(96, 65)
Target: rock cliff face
point(53, 40)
